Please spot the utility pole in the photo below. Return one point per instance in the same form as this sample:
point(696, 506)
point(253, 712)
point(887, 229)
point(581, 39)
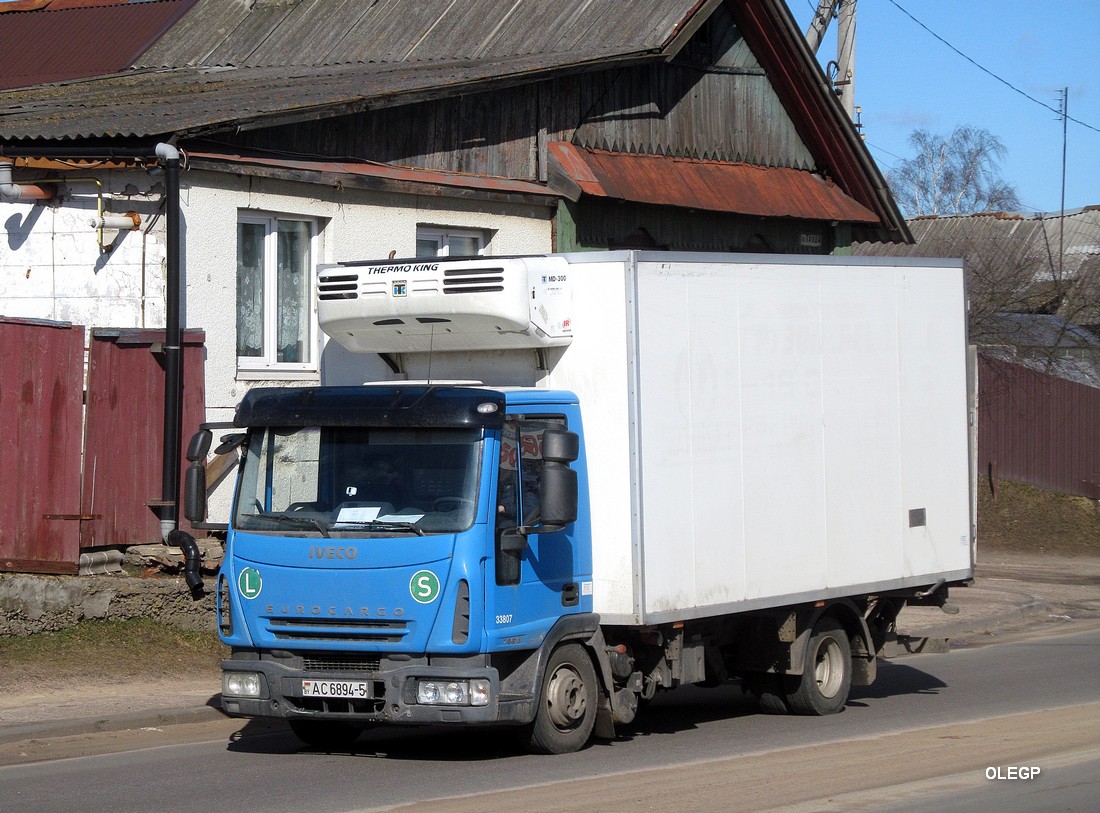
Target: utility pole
point(1064, 110)
point(846, 56)
point(842, 71)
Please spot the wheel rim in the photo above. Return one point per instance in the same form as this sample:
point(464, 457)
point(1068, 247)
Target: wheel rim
point(566, 697)
point(828, 668)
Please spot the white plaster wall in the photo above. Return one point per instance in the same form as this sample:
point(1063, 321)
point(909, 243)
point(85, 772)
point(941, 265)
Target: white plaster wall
point(355, 225)
point(51, 266)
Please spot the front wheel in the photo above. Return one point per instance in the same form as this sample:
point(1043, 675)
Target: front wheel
point(567, 705)
point(826, 677)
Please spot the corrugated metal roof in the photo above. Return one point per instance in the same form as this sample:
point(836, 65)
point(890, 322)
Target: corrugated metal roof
point(1006, 237)
point(95, 40)
point(716, 186)
point(329, 32)
point(190, 100)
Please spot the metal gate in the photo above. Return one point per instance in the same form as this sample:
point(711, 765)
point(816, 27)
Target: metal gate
point(48, 512)
point(41, 387)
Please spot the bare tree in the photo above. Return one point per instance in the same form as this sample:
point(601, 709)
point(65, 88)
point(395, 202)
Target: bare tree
point(954, 175)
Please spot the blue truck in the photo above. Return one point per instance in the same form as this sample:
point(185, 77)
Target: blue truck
point(533, 491)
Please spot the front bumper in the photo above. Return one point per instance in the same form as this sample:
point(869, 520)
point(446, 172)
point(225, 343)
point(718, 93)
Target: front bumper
point(392, 697)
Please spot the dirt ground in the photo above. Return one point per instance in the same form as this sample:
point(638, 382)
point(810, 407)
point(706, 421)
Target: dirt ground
point(1025, 519)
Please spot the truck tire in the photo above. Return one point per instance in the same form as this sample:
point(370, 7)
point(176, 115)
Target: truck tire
point(769, 691)
point(826, 678)
point(567, 704)
point(326, 733)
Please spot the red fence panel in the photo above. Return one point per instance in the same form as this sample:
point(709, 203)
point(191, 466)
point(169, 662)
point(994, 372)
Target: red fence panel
point(1038, 429)
point(125, 418)
point(41, 387)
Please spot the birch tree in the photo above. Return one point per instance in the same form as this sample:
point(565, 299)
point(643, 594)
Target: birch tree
point(959, 174)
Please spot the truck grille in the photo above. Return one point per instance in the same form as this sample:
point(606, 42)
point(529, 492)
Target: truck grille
point(340, 662)
point(330, 629)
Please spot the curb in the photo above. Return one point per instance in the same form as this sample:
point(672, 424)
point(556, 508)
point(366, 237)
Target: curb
point(23, 732)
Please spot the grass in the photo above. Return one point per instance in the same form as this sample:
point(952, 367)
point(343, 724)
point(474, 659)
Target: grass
point(109, 649)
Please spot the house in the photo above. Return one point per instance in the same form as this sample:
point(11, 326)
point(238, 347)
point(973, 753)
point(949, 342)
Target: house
point(311, 131)
point(1017, 263)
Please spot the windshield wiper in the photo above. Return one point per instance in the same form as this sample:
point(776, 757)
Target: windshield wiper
point(380, 525)
point(297, 521)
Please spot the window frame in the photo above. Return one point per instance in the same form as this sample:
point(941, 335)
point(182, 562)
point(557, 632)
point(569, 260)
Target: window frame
point(441, 233)
point(267, 365)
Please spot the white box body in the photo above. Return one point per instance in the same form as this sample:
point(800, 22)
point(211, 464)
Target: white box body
point(760, 430)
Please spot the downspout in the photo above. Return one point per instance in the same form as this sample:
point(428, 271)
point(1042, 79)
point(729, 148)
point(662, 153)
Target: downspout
point(173, 349)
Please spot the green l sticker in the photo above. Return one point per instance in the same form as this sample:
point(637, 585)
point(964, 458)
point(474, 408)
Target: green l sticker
point(424, 586)
point(250, 583)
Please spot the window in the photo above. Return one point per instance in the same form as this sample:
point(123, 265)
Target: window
point(275, 323)
point(438, 242)
point(518, 481)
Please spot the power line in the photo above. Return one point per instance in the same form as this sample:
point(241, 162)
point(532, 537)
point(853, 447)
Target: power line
point(981, 67)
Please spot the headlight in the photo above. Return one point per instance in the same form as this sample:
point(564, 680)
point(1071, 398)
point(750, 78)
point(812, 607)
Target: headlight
point(453, 692)
point(241, 684)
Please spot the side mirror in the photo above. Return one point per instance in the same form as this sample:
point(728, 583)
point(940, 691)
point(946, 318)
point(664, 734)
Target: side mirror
point(194, 492)
point(557, 496)
point(199, 446)
point(558, 487)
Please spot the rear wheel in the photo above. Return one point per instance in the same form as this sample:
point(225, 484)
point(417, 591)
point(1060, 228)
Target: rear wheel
point(326, 733)
point(826, 677)
point(567, 706)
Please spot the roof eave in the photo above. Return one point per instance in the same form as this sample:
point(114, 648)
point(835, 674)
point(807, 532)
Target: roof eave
point(804, 89)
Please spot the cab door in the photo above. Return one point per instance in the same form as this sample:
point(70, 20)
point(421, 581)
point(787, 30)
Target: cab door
point(533, 580)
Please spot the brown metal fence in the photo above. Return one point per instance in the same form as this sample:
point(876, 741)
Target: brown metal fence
point(41, 386)
point(1038, 429)
point(124, 434)
point(48, 512)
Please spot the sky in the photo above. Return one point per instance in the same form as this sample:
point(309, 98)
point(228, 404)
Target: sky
point(907, 79)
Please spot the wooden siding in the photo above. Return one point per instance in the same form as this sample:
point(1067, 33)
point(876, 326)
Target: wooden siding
point(726, 110)
point(597, 225)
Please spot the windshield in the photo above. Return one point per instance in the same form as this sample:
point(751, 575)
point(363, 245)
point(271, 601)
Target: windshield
point(359, 481)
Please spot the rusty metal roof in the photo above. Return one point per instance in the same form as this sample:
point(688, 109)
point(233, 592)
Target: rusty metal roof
point(717, 186)
point(67, 40)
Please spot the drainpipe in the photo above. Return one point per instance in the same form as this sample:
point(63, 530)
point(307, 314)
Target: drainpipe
point(20, 191)
point(173, 349)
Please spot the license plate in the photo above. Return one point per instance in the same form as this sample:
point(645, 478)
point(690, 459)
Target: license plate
point(337, 688)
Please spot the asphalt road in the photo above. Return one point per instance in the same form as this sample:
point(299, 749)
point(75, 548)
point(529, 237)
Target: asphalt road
point(923, 737)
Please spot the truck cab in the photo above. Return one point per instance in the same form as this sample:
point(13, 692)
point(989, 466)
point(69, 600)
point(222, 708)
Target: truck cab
point(396, 553)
